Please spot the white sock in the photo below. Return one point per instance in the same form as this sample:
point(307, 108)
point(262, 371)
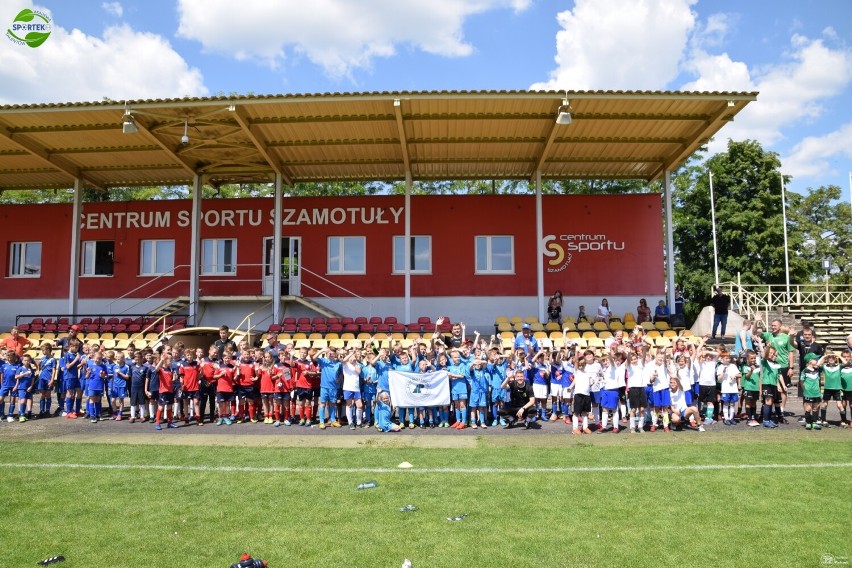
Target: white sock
point(605, 418)
point(585, 422)
point(359, 415)
point(349, 414)
point(574, 422)
point(623, 408)
point(133, 412)
point(597, 413)
point(632, 422)
point(642, 422)
point(615, 418)
point(653, 418)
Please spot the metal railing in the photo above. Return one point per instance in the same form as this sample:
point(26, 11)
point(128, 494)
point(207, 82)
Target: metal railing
point(749, 299)
point(338, 286)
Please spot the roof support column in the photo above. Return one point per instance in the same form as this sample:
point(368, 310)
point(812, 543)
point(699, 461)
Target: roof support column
point(194, 252)
point(74, 270)
point(276, 251)
point(407, 247)
point(670, 264)
point(539, 250)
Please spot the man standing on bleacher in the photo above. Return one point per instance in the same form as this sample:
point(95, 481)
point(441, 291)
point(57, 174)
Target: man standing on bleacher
point(16, 342)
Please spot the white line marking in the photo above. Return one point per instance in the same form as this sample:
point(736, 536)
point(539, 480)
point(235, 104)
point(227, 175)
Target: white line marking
point(578, 469)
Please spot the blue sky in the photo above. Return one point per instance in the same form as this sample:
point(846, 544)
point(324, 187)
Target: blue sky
point(798, 55)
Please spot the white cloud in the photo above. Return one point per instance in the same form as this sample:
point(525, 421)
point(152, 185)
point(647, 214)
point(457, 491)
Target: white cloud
point(612, 44)
point(814, 155)
point(72, 66)
point(792, 91)
point(113, 8)
point(338, 35)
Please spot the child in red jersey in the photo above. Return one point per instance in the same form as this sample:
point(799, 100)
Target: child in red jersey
point(283, 389)
point(245, 379)
point(302, 386)
point(166, 377)
point(266, 377)
point(225, 375)
point(191, 382)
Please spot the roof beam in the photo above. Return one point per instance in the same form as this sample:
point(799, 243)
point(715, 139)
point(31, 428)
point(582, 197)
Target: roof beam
point(712, 124)
point(545, 151)
point(400, 126)
point(245, 123)
point(54, 161)
point(184, 163)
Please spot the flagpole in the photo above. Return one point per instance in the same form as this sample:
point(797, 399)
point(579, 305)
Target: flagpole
point(786, 249)
point(713, 218)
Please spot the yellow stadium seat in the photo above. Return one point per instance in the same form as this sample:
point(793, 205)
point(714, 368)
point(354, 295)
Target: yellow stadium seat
point(337, 343)
point(536, 326)
point(540, 334)
point(551, 326)
point(531, 319)
point(604, 334)
point(572, 335)
point(363, 336)
point(501, 319)
point(615, 325)
point(589, 335)
point(685, 333)
point(670, 333)
point(648, 326)
point(662, 342)
point(596, 342)
point(347, 336)
point(332, 335)
point(662, 325)
point(600, 326)
point(504, 326)
point(315, 336)
point(584, 326)
point(516, 319)
point(653, 334)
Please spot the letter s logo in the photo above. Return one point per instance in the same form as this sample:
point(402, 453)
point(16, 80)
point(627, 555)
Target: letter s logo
point(553, 250)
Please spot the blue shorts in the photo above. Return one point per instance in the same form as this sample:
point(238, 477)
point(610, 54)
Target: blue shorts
point(185, 395)
point(730, 397)
point(596, 397)
point(351, 395)
point(328, 395)
point(609, 398)
point(498, 395)
point(661, 398)
point(458, 387)
point(23, 394)
point(43, 384)
point(458, 396)
point(224, 396)
point(281, 396)
point(477, 398)
point(71, 383)
point(166, 398)
point(696, 390)
point(94, 392)
point(6, 391)
point(369, 393)
point(687, 395)
point(119, 392)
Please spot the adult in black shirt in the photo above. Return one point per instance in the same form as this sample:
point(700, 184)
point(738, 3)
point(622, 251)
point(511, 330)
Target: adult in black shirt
point(521, 399)
point(224, 341)
point(720, 302)
point(805, 343)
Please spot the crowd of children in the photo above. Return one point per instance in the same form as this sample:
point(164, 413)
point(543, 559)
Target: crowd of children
point(629, 384)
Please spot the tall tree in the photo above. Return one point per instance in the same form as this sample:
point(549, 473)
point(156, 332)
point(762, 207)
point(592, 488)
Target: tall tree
point(749, 222)
point(825, 224)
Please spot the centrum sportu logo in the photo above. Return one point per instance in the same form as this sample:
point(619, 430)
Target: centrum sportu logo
point(30, 28)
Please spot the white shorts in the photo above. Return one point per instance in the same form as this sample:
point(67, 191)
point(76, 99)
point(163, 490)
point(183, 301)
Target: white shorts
point(556, 390)
point(539, 391)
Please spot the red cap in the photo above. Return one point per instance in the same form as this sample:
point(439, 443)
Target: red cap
point(75, 327)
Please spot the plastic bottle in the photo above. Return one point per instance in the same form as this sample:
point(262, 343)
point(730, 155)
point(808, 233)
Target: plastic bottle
point(368, 485)
point(406, 563)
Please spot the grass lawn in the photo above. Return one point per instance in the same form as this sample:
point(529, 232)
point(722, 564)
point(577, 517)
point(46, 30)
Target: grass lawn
point(212, 511)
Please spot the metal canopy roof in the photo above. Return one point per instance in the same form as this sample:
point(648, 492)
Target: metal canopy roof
point(359, 137)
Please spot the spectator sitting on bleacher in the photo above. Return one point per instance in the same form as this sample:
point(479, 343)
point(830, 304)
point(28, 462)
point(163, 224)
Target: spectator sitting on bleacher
point(848, 348)
point(643, 311)
point(604, 312)
point(661, 312)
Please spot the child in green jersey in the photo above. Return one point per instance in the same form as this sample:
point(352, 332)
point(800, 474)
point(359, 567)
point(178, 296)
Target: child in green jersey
point(750, 382)
point(845, 384)
point(831, 387)
point(810, 379)
point(769, 384)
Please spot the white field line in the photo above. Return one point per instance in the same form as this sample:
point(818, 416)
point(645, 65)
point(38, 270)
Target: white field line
point(452, 470)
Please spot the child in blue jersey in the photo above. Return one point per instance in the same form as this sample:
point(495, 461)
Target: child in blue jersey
point(71, 363)
point(370, 382)
point(26, 384)
point(109, 363)
point(478, 391)
point(383, 414)
point(46, 378)
point(96, 381)
point(401, 362)
point(330, 369)
point(441, 364)
point(138, 376)
point(120, 376)
point(457, 372)
point(497, 374)
point(540, 378)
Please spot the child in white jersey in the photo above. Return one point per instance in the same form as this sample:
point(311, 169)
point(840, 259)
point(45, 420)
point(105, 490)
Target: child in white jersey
point(729, 376)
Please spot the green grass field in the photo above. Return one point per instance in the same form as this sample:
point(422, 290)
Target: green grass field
point(223, 500)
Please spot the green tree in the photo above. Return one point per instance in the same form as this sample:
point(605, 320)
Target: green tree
point(749, 223)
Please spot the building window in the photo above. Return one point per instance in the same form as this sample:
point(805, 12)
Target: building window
point(495, 255)
point(219, 256)
point(97, 258)
point(158, 257)
point(421, 254)
point(25, 260)
point(347, 255)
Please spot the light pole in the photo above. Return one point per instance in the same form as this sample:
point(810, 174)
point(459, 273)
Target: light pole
point(826, 265)
point(713, 219)
point(786, 249)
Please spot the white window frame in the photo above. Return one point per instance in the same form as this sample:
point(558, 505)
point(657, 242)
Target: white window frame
point(399, 240)
point(20, 271)
point(153, 272)
point(88, 249)
point(489, 259)
point(340, 268)
point(219, 270)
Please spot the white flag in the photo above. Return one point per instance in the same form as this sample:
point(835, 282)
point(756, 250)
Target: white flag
point(419, 389)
